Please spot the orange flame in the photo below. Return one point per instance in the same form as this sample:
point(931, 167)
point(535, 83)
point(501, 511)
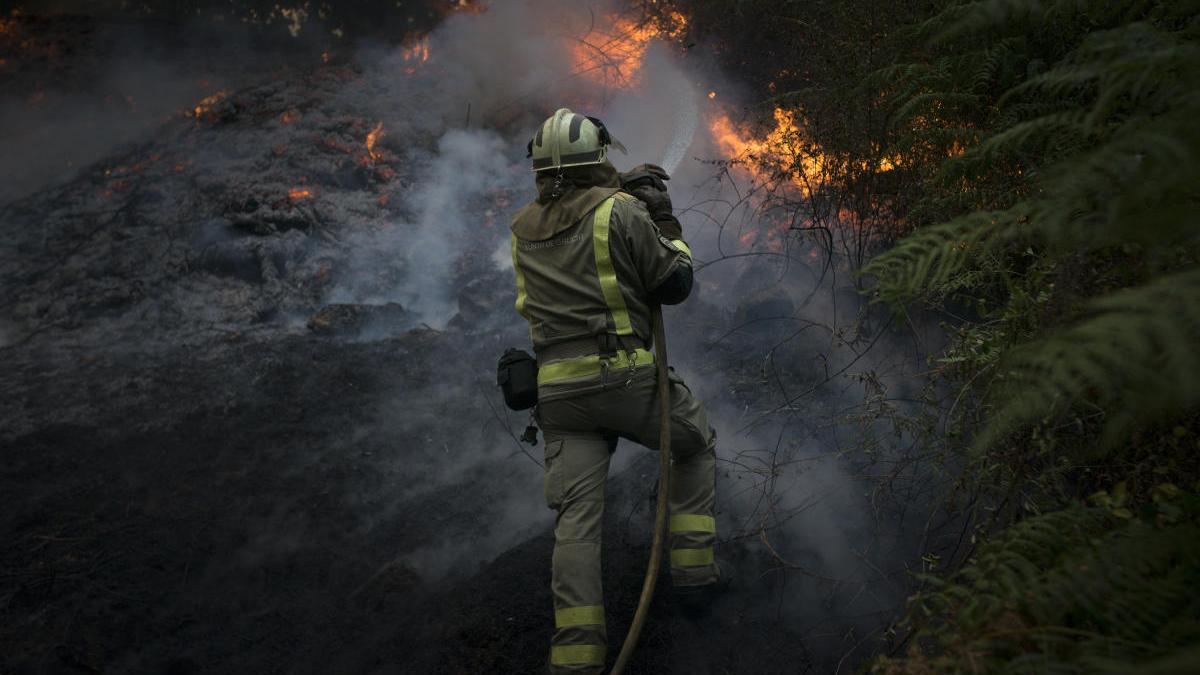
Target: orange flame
point(297, 194)
point(372, 138)
point(416, 53)
point(785, 151)
point(206, 105)
point(469, 7)
point(614, 56)
point(289, 116)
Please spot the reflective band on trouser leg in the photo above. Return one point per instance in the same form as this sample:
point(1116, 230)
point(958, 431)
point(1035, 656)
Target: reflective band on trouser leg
point(577, 655)
point(569, 369)
point(588, 615)
point(690, 522)
point(682, 245)
point(605, 270)
point(691, 557)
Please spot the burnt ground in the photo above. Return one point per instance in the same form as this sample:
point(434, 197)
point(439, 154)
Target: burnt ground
point(226, 448)
point(184, 536)
point(231, 441)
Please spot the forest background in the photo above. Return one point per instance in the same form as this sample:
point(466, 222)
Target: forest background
point(1027, 171)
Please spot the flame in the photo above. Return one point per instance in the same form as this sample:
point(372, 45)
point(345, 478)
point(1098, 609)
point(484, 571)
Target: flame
point(206, 105)
point(297, 194)
point(784, 152)
point(416, 53)
point(613, 56)
point(469, 7)
point(289, 116)
point(372, 138)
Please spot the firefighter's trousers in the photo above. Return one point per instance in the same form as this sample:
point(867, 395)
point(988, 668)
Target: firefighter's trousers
point(581, 432)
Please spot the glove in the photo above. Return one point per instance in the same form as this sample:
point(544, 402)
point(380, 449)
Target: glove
point(646, 183)
point(645, 174)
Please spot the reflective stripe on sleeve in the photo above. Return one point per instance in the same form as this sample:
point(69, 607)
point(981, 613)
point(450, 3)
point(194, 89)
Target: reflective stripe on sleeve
point(587, 615)
point(605, 270)
point(522, 296)
point(569, 655)
point(690, 522)
point(691, 557)
point(682, 245)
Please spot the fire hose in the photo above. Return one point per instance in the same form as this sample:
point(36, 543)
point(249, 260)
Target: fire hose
point(664, 482)
point(685, 130)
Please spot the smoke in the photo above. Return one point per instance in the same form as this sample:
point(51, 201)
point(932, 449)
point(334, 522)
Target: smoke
point(795, 371)
point(60, 112)
point(799, 378)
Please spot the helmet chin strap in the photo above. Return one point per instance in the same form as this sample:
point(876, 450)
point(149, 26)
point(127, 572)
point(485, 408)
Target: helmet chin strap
point(558, 181)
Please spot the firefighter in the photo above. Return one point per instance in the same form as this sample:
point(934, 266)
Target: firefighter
point(590, 260)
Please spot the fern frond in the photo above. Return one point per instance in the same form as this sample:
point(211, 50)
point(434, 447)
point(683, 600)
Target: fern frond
point(1135, 358)
point(928, 257)
point(1072, 591)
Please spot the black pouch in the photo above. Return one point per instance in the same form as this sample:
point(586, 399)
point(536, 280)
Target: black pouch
point(517, 376)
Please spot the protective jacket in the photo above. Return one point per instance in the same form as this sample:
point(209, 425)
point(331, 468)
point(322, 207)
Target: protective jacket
point(588, 263)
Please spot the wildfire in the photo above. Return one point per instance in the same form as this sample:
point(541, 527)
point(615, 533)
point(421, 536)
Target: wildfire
point(783, 152)
point(297, 194)
point(372, 138)
point(614, 56)
point(289, 116)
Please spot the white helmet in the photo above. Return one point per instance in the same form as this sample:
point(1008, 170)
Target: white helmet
point(570, 139)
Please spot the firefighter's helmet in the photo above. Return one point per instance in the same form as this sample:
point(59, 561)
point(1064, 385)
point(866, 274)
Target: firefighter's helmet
point(569, 139)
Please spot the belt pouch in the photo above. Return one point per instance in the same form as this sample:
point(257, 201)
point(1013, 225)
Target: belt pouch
point(517, 376)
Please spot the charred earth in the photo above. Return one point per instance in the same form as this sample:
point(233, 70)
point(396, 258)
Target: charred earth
point(228, 447)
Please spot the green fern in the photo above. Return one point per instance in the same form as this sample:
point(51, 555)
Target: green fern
point(1135, 359)
point(1066, 211)
point(1074, 591)
point(1124, 167)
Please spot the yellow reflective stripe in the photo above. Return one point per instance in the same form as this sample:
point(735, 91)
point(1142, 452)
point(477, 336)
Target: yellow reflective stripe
point(690, 522)
point(587, 615)
point(565, 655)
point(522, 296)
point(691, 557)
point(569, 369)
point(605, 270)
point(682, 245)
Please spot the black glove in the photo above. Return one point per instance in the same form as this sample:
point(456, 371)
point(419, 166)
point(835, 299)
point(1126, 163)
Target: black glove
point(645, 174)
point(646, 183)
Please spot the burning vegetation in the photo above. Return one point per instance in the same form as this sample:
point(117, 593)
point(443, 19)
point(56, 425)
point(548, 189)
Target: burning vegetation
point(612, 54)
point(782, 154)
